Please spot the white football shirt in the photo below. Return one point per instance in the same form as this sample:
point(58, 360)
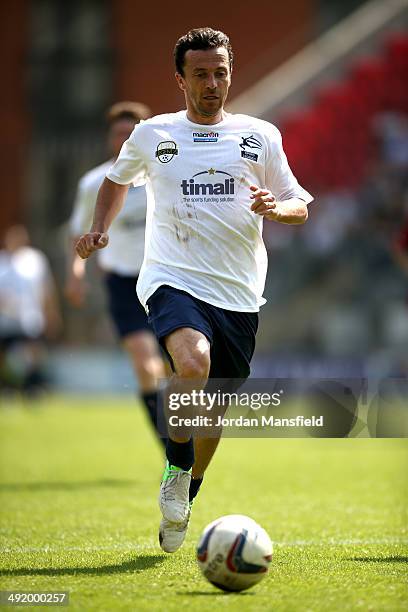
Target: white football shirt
point(24, 282)
point(124, 253)
point(201, 235)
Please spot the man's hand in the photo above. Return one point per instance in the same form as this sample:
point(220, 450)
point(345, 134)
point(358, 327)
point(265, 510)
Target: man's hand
point(292, 211)
point(88, 243)
point(264, 203)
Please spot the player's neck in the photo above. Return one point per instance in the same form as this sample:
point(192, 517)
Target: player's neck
point(204, 120)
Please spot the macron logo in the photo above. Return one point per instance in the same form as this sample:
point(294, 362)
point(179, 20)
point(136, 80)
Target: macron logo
point(205, 136)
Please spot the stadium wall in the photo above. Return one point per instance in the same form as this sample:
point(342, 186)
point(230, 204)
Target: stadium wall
point(49, 46)
point(13, 110)
point(144, 36)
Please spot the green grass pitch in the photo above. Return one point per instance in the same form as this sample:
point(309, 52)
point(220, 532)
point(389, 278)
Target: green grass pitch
point(79, 484)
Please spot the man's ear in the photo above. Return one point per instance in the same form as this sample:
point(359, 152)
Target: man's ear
point(180, 81)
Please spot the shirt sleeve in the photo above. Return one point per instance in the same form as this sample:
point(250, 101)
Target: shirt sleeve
point(130, 166)
point(84, 205)
point(280, 179)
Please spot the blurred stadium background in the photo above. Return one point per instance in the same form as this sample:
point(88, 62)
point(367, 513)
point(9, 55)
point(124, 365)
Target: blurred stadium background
point(332, 74)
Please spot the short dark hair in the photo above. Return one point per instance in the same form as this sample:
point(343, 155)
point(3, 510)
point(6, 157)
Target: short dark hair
point(203, 39)
point(134, 111)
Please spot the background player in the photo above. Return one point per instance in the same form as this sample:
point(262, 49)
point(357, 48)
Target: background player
point(121, 262)
point(214, 176)
point(29, 312)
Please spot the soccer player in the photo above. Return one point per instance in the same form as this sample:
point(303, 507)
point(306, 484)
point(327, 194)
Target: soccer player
point(213, 178)
point(121, 262)
point(29, 309)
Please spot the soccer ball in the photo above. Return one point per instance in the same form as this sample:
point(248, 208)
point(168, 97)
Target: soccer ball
point(234, 552)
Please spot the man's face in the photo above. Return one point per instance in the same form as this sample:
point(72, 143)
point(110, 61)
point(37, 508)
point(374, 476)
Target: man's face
point(206, 80)
point(119, 131)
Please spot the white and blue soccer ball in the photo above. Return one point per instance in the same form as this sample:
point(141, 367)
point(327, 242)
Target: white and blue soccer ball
point(234, 552)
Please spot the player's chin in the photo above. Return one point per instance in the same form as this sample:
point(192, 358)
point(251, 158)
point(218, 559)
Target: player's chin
point(210, 107)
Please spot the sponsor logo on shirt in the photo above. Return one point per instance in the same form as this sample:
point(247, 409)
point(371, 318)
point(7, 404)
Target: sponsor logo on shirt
point(166, 150)
point(250, 142)
point(196, 186)
point(205, 136)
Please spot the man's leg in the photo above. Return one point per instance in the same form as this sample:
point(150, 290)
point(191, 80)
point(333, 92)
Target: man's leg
point(181, 345)
point(130, 320)
point(184, 326)
point(189, 350)
point(148, 367)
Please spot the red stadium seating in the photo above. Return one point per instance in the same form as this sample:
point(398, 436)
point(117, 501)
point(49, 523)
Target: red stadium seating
point(331, 143)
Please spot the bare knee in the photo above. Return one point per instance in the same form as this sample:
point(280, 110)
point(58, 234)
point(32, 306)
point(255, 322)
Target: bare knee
point(194, 365)
point(190, 352)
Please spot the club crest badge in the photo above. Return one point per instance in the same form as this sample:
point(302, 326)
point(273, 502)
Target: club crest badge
point(166, 150)
point(250, 142)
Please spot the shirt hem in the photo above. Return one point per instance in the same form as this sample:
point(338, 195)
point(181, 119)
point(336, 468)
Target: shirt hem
point(170, 283)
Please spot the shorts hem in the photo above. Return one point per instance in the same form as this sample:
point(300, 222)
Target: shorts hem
point(180, 326)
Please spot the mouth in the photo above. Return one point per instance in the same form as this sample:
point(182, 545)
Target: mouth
point(211, 97)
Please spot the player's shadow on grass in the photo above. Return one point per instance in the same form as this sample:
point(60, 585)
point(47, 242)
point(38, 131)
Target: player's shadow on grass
point(392, 559)
point(138, 564)
point(79, 485)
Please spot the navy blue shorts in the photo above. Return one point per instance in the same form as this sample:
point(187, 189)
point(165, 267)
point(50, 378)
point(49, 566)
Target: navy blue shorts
point(231, 334)
point(127, 313)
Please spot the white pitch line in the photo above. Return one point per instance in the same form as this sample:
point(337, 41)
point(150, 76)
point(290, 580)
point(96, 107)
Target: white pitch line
point(346, 542)
point(133, 546)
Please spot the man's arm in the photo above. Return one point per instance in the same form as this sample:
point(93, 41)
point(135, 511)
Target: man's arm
point(287, 201)
point(292, 211)
point(75, 285)
point(111, 197)
point(79, 222)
